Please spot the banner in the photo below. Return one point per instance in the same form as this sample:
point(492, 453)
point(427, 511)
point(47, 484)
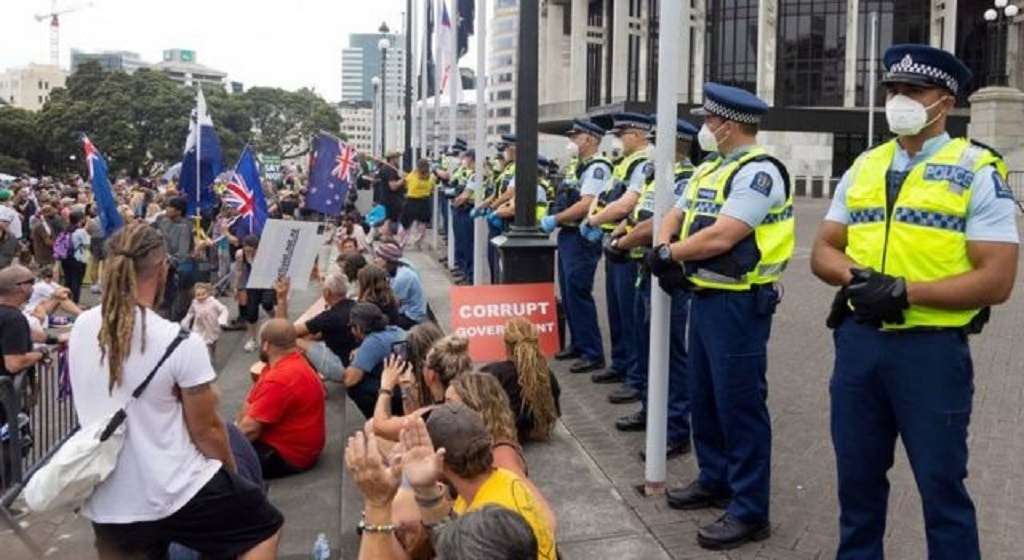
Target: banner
point(480, 312)
point(287, 249)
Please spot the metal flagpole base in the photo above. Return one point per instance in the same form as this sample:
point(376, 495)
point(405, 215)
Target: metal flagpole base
point(525, 256)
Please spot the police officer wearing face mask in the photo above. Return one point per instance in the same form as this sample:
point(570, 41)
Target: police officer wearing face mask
point(736, 235)
point(464, 190)
point(921, 237)
point(586, 176)
point(608, 209)
point(635, 245)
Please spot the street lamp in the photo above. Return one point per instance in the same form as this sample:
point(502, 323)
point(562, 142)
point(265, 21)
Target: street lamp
point(999, 17)
point(375, 128)
point(384, 44)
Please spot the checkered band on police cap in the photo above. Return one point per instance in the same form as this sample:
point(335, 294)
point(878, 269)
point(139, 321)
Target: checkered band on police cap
point(729, 113)
point(907, 65)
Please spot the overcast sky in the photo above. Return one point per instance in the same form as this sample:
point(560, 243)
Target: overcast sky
point(283, 43)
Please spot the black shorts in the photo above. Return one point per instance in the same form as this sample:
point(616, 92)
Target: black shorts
point(227, 518)
point(416, 210)
point(256, 298)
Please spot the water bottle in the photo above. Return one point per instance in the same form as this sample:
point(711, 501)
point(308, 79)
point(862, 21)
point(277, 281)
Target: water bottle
point(321, 548)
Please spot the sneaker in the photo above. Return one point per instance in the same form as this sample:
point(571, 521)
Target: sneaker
point(95, 289)
point(250, 345)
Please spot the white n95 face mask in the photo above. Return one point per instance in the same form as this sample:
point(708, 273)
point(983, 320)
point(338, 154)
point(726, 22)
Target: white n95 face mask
point(572, 149)
point(617, 144)
point(706, 139)
point(906, 116)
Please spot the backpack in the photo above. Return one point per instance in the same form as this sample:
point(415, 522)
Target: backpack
point(62, 246)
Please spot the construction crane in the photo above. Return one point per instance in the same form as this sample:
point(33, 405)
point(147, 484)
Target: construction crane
point(54, 17)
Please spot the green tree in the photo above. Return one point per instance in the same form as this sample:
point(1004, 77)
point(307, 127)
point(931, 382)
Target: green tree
point(19, 143)
point(284, 121)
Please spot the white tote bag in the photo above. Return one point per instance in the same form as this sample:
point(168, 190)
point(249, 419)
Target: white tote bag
point(87, 458)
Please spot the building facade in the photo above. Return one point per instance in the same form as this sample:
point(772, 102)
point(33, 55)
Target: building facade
point(810, 60)
point(118, 61)
point(360, 63)
point(357, 124)
point(30, 87)
point(502, 38)
point(182, 66)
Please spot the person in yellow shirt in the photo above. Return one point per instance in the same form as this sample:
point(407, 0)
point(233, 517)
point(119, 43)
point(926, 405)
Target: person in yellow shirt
point(416, 215)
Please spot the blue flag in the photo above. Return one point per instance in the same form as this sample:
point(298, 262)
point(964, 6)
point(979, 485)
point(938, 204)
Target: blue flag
point(329, 177)
point(245, 193)
point(106, 206)
point(202, 153)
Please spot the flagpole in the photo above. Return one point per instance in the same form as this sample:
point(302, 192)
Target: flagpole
point(199, 149)
point(479, 226)
point(453, 104)
point(423, 83)
point(437, 115)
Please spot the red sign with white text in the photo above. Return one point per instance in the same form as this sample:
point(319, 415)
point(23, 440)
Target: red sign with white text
point(480, 312)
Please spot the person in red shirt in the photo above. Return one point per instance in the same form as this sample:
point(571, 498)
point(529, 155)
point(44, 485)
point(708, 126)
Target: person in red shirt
point(283, 415)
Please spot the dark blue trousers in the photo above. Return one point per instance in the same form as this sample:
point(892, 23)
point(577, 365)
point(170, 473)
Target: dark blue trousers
point(678, 398)
point(728, 391)
point(577, 265)
point(444, 202)
point(917, 386)
point(492, 251)
point(620, 287)
point(462, 229)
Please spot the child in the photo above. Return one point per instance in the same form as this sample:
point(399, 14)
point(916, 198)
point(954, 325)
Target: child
point(206, 316)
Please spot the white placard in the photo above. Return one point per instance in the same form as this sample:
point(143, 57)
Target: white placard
point(287, 248)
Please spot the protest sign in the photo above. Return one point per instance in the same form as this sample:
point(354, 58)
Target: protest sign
point(287, 250)
point(480, 313)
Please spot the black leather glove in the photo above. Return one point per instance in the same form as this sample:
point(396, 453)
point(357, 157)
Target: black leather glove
point(613, 253)
point(674, 280)
point(840, 309)
point(657, 265)
point(877, 298)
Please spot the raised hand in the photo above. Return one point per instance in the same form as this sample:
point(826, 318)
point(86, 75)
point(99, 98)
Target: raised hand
point(378, 483)
point(421, 464)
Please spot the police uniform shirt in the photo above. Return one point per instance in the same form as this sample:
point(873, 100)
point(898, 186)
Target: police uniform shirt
point(636, 180)
point(595, 178)
point(542, 194)
point(990, 212)
point(757, 188)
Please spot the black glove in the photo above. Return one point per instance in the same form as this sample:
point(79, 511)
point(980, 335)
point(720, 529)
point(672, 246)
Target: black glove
point(657, 265)
point(674, 280)
point(877, 298)
point(840, 309)
point(613, 253)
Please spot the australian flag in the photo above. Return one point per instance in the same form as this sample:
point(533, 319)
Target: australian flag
point(334, 163)
point(106, 205)
point(245, 193)
point(202, 152)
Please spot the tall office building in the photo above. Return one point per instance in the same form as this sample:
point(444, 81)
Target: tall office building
point(360, 62)
point(503, 36)
point(809, 59)
point(125, 61)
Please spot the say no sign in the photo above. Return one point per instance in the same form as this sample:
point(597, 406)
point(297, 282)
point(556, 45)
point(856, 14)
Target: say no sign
point(480, 312)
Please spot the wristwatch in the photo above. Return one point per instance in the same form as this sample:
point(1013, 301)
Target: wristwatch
point(665, 252)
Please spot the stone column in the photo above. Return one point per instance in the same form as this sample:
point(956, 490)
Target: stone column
point(943, 25)
point(997, 119)
point(767, 20)
point(852, 43)
point(578, 52)
point(700, 49)
point(686, 57)
point(620, 49)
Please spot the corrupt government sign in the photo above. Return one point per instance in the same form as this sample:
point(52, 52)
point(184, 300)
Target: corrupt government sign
point(480, 312)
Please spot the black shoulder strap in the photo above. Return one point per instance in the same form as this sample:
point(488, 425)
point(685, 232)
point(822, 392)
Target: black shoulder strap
point(986, 146)
point(761, 157)
point(182, 335)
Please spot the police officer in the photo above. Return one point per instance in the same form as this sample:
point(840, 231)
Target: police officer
point(462, 221)
point(615, 203)
point(635, 244)
point(586, 175)
point(501, 194)
point(922, 238)
point(736, 237)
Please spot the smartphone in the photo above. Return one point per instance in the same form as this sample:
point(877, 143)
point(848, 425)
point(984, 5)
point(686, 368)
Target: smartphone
point(401, 349)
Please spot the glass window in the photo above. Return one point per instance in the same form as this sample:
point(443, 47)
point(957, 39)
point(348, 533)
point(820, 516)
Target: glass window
point(504, 43)
point(504, 25)
point(731, 51)
point(811, 53)
point(975, 39)
point(899, 21)
point(506, 3)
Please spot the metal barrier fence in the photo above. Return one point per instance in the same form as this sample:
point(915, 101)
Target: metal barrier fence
point(40, 417)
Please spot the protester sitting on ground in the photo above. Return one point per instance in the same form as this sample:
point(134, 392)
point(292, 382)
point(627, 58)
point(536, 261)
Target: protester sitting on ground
point(421, 339)
point(351, 265)
point(327, 338)
point(251, 299)
point(412, 300)
point(447, 359)
point(483, 393)
point(351, 229)
point(375, 288)
point(377, 340)
point(175, 476)
point(283, 415)
point(491, 532)
point(532, 388)
point(206, 316)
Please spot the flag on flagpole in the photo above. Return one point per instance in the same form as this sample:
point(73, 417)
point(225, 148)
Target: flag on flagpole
point(202, 161)
point(334, 163)
point(467, 12)
point(445, 56)
point(102, 192)
point(244, 192)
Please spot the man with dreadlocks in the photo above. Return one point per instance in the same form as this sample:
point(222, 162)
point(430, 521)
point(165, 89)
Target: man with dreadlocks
point(175, 478)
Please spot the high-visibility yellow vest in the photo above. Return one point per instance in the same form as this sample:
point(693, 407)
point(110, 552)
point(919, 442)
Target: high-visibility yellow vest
point(923, 236)
point(760, 257)
point(645, 206)
point(621, 173)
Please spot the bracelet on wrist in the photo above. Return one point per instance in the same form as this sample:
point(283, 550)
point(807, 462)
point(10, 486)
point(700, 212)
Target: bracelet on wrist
point(363, 527)
point(384, 392)
point(430, 502)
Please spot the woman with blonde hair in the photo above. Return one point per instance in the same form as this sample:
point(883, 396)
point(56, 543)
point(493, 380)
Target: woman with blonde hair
point(532, 389)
